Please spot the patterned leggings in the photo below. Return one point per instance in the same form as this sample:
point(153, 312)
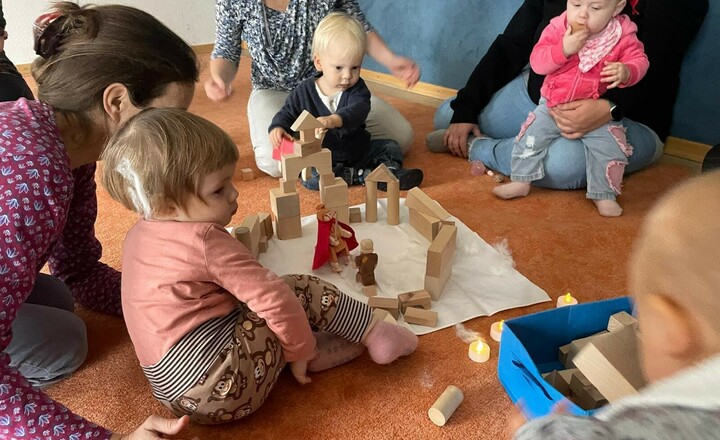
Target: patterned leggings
point(246, 369)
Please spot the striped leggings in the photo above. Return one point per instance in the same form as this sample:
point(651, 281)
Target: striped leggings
point(243, 373)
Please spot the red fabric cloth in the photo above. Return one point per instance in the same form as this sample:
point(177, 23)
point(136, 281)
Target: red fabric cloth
point(322, 248)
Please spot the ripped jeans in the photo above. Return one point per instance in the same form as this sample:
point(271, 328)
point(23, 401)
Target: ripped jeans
point(606, 151)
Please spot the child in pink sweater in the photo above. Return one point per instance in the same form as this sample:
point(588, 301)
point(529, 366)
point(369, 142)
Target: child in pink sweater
point(211, 327)
point(584, 51)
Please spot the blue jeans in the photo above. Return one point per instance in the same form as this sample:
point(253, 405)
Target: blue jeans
point(564, 163)
point(49, 340)
point(381, 151)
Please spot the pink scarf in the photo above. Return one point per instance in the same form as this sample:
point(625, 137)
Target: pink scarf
point(596, 48)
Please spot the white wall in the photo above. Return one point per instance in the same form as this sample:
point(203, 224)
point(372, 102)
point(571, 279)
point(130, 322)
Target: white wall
point(193, 20)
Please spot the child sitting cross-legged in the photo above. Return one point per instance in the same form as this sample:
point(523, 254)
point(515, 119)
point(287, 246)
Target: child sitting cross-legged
point(675, 278)
point(340, 100)
point(212, 328)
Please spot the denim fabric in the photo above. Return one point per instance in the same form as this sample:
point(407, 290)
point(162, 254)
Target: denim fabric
point(565, 160)
point(49, 341)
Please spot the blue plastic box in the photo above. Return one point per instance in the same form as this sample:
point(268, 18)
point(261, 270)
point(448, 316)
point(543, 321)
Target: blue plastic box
point(529, 348)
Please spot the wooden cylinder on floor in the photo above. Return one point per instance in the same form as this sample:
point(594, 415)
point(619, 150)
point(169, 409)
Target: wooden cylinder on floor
point(445, 405)
point(393, 203)
point(371, 202)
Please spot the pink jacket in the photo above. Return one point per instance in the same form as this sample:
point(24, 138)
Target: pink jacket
point(564, 82)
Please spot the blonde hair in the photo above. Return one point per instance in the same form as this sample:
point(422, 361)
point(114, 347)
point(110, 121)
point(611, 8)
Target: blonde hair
point(676, 254)
point(158, 158)
point(342, 28)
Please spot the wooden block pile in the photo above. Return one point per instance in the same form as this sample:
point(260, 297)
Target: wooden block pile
point(600, 368)
point(255, 232)
point(414, 306)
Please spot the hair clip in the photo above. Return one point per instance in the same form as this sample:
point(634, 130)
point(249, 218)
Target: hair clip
point(47, 35)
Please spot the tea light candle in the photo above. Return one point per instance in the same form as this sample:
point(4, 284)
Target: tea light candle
point(479, 351)
point(496, 330)
point(566, 300)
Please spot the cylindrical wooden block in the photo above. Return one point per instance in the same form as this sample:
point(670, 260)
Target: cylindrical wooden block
point(393, 203)
point(371, 203)
point(242, 234)
point(445, 405)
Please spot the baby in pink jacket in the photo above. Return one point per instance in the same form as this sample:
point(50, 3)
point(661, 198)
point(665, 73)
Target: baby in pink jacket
point(583, 52)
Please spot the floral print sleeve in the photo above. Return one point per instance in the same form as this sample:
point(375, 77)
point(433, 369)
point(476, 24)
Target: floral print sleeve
point(36, 187)
point(75, 259)
point(280, 43)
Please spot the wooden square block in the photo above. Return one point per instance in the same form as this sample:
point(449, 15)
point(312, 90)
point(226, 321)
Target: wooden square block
point(355, 215)
point(284, 205)
point(288, 228)
point(417, 316)
point(247, 174)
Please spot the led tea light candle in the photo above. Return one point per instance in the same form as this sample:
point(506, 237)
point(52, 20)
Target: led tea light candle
point(496, 330)
point(566, 300)
point(479, 351)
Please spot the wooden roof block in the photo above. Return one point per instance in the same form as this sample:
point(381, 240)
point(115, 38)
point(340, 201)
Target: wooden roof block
point(417, 199)
point(306, 121)
point(381, 174)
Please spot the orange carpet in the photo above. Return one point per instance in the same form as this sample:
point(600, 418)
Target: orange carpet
point(557, 239)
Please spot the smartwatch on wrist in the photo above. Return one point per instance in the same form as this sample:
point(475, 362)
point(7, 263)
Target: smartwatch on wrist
point(615, 112)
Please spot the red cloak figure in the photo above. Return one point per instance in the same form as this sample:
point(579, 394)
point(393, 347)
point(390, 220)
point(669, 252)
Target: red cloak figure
point(334, 238)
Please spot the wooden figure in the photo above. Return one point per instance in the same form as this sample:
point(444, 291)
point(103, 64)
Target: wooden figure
point(355, 215)
point(334, 238)
point(445, 405)
point(382, 174)
point(366, 263)
point(247, 174)
point(418, 298)
point(414, 315)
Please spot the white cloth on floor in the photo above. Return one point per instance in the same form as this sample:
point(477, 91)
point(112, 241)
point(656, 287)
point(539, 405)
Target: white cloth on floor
point(482, 281)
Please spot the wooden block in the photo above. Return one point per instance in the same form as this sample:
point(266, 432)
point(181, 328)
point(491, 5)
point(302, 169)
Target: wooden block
point(335, 194)
point(577, 345)
point(417, 298)
point(287, 186)
point(369, 291)
point(620, 320)
point(355, 215)
point(284, 205)
point(267, 226)
point(578, 381)
point(417, 199)
point(371, 202)
point(563, 353)
point(612, 364)
point(417, 316)
point(306, 121)
point(263, 245)
point(393, 203)
point(252, 222)
point(435, 286)
point(558, 382)
point(441, 251)
point(381, 174)
point(389, 304)
point(305, 148)
point(288, 228)
point(247, 174)
point(242, 234)
point(426, 225)
point(445, 405)
point(292, 164)
point(327, 179)
point(384, 315)
point(590, 398)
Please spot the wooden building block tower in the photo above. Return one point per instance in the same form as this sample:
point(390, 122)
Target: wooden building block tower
point(382, 174)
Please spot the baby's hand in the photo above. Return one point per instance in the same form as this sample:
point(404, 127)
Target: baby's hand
point(615, 74)
point(574, 41)
point(276, 136)
point(299, 370)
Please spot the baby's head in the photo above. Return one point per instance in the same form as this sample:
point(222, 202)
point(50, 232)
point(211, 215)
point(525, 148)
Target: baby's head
point(675, 277)
point(339, 45)
point(593, 14)
point(168, 164)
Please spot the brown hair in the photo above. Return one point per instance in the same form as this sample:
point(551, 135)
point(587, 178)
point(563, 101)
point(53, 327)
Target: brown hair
point(102, 45)
point(159, 157)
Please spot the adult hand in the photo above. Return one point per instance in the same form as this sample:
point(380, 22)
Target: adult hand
point(456, 137)
point(217, 89)
point(299, 371)
point(155, 427)
point(405, 70)
point(577, 118)
point(614, 73)
point(332, 121)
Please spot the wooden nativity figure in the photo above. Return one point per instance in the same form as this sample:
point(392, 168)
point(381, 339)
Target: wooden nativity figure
point(334, 238)
point(365, 263)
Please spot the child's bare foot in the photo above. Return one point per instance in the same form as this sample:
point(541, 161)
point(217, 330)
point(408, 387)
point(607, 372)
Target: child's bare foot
point(333, 351)
point(608, 208)
point(387, 342)
point(512, 190)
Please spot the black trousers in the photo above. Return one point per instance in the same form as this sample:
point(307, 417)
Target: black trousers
point(12, 84)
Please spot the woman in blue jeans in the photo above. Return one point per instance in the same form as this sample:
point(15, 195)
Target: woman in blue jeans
point(483, 120)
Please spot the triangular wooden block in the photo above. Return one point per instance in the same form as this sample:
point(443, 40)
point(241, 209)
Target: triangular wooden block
point(306, 121)
point(381, 174)
point(417, 199)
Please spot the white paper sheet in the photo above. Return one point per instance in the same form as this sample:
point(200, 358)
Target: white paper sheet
point(482, 282)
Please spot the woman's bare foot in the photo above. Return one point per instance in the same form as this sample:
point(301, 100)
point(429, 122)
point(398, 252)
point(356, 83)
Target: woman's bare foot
point(608, 208)
point(512, 190)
